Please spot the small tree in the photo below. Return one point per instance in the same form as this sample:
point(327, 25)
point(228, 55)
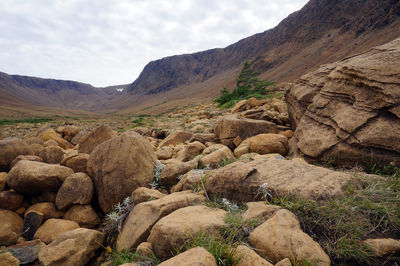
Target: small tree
point(247, 85)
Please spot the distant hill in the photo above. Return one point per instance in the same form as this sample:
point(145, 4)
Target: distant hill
point(55, 93)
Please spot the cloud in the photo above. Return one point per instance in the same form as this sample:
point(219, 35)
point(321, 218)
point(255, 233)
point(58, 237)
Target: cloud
point(108, 42)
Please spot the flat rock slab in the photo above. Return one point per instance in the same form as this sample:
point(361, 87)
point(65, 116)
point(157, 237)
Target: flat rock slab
point(243, 181)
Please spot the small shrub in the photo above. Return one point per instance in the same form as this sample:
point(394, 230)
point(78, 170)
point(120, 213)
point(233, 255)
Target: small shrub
point(115, 219)
point(247, 85)
point(157, 173)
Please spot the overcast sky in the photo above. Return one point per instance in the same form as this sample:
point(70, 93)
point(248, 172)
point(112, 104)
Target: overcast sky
point(108, 42)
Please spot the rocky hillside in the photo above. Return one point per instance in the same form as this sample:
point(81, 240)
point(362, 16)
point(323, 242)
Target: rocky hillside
point(55, 93)
point(323, 31)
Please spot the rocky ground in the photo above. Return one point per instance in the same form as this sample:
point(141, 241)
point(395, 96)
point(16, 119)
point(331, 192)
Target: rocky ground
point(203, 186)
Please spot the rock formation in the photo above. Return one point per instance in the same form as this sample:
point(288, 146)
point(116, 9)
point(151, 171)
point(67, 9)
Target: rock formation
point(348, 112)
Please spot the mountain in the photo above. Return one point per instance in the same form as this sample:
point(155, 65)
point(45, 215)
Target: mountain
point(63, 94)
point(323, 31)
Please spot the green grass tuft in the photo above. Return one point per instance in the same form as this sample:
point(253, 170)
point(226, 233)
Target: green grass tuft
point(370, 208)
point(25, 120)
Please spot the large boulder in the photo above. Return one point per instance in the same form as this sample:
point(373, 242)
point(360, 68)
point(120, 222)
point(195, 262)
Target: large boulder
point(119, 166)
point(229, 127)
point(52, 228)
point(11, 225)
point(144, 215)
point(97, 136)
point(257, 179)
point(263, 144)
point(30, 177)
point(175, 138)
point(348, 112)
point(10, 148)
point(195, 256)
point(173, 230)
point(76, 189)
point(76, 247)
point(281, 237)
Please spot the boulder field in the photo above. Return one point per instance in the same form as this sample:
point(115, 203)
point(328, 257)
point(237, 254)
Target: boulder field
point(69, 197)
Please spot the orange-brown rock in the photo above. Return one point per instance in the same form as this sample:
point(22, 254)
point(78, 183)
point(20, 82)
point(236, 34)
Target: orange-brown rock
point(259, 211)
point(229, 127)
point(47, 208)
point(175, 138)
point(70, 132)
point(50, 134)
point(281, 237)
point(248, 257)
point(11, 200)
point(257, 179)
point(76, 247)
point(77, 162)
point(144, 215)
point(173, 230)
point(76, 189)
point(215, 158)
point(11, 225)
point(84, 215)
point(171, 171)
point(190, 151)
point(51, 154)
point(53, 228)
point(194, 256)
point(97, 136)
point(384, 246)
point(33, 158)
point(143, 194)
point(263, 144)
point(10, 148)
point(30, 177)
point(119, 166)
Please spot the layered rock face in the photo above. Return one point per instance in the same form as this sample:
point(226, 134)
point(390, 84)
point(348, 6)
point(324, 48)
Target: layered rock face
point(349, 112)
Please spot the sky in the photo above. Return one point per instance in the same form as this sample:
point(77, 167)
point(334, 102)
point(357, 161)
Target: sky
point(108, 42)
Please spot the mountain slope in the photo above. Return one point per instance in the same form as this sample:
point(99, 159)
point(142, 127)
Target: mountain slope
point(55, 93)
point(322, 31)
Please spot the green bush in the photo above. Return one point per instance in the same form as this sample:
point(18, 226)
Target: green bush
point(248, 85)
